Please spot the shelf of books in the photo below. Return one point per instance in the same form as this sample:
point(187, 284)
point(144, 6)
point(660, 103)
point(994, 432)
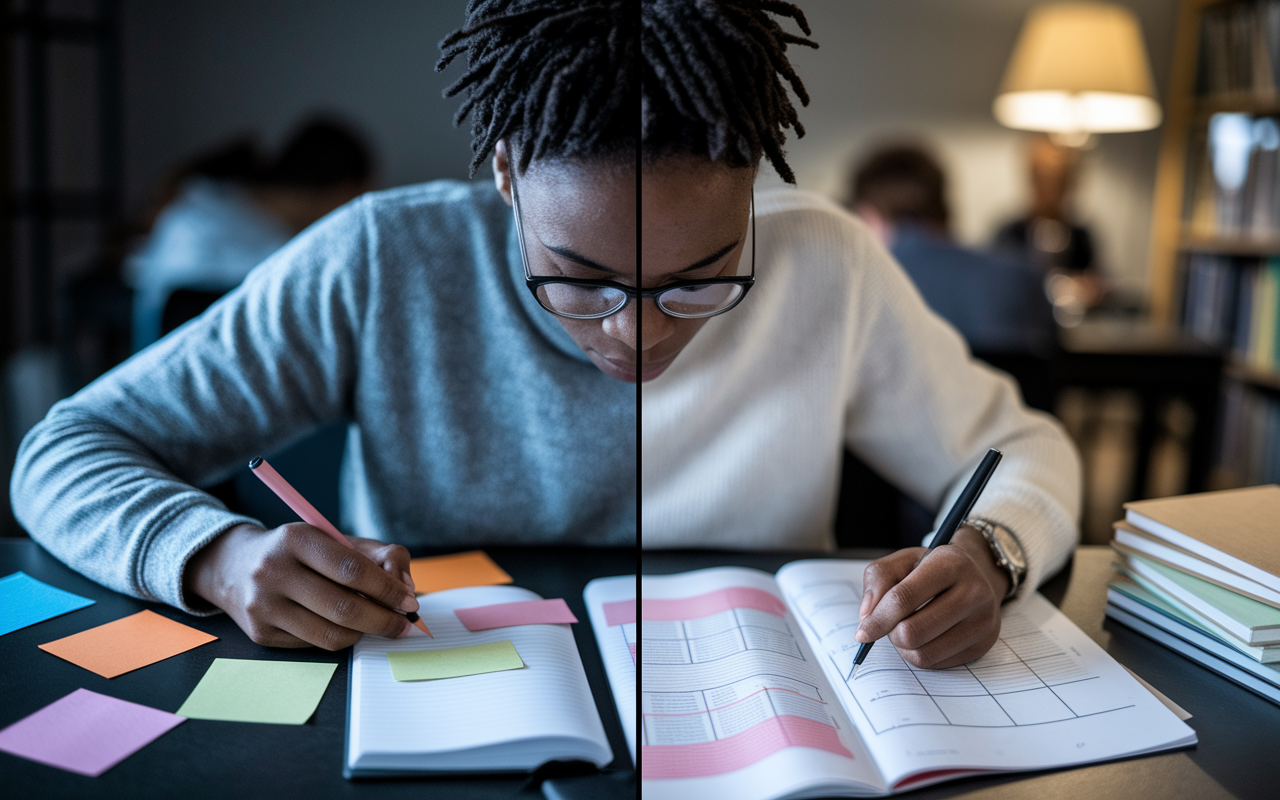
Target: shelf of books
point(1216, 235)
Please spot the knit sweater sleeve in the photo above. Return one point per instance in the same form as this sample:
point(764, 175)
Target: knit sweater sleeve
point(923, 412)
point(107, 481)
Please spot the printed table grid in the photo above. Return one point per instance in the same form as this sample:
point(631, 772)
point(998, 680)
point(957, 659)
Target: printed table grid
point(718, 636)
point(1021, 681)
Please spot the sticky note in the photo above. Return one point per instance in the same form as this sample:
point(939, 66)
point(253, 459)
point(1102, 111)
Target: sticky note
point(25, 601)
point(128, 643)
point(620, 612)
point(437, 573)
point(86, 732)
point(454, 662)
point(242, 690)
point(505, 615)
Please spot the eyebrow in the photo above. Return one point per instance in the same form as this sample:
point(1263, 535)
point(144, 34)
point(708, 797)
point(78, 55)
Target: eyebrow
point(709, 260)
point(581, 259)
point(586, 262)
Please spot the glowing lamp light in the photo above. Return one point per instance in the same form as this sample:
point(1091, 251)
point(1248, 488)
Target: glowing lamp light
point(1077, 69)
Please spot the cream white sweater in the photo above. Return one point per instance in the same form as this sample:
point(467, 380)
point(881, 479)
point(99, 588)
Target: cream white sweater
point(741, 437)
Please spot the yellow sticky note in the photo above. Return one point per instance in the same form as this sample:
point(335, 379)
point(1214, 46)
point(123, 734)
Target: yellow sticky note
point(128, 643)
point(454, 662)
point(437, 573)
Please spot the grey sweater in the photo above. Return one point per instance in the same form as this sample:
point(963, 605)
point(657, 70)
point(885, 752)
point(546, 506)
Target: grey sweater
point(476, 419)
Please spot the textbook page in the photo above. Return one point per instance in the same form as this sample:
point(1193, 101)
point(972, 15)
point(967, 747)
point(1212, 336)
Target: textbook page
point(513, 720)
point(732, 701)
point(1044, 696)
point(611, 604)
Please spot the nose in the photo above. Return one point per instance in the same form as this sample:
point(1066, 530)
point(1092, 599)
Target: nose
point(650, 326)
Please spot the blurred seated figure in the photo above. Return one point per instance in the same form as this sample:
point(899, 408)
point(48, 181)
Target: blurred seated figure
point(224, 212)
point(1047, 240)
point(997, 306)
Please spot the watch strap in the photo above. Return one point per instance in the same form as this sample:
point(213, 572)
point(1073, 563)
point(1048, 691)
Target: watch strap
point(988, 531)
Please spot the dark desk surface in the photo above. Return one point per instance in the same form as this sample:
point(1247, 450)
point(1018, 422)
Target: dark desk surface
point(1237, 729)
point(203, 758)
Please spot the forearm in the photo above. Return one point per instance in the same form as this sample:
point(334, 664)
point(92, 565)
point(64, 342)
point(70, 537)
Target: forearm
point(103, 504)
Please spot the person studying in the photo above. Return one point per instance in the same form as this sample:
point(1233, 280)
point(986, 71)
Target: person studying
point(779, 332)
point(479, 413)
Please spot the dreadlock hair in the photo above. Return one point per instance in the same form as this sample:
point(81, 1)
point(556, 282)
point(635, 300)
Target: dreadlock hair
point(562, 78)
point(712, 80)
point(555, 77)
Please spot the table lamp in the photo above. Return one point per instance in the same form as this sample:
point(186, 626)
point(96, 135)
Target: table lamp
point(1078, 69)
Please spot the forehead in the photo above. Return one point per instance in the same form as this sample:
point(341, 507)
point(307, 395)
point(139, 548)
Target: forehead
point(689, 209)
point(565, 190)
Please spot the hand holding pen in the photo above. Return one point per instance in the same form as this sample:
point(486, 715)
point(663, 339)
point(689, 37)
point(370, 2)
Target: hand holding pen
point(296, 586)
point(941, 606)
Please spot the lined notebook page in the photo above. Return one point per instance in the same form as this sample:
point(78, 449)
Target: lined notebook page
point(611, 604)
point(510, 720)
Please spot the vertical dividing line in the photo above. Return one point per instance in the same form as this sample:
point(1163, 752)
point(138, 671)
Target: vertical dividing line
point(639, 351)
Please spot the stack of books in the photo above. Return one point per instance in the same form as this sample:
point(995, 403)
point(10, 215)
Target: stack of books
point(1201, 575)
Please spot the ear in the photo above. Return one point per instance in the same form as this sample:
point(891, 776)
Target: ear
point(502, 170)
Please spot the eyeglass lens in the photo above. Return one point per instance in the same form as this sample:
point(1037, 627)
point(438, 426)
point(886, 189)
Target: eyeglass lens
point(580, 301)
point(699, 301)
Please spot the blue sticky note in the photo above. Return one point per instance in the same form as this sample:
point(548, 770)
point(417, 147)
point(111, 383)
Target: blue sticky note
point(25, 601)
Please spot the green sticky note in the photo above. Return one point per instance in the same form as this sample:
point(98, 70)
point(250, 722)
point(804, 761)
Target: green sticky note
point(239, 690)
point(454, 662)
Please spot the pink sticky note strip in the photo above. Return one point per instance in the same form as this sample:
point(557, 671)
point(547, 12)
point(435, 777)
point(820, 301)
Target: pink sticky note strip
point(717, 757)
point(620, 612)
point(505, 615)
point(704, 605)
point(86, 732)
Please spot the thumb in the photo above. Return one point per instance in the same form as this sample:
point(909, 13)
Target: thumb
point(885, 573)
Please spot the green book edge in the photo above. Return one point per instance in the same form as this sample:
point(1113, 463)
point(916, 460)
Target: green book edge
point(1244, 610)
point(1136, 588)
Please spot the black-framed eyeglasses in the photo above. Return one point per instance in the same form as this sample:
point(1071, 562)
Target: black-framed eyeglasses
point(581, 298)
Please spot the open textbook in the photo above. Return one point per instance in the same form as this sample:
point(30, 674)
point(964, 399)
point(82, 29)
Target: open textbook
point(611, 604)
point(509, 721)
point(747, 691)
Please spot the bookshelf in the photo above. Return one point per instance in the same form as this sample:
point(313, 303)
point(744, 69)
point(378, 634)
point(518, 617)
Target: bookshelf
point(1215, 245)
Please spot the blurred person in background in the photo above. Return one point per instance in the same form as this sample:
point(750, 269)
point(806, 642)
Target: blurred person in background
point(1046, 240)
point(225, 211)
point(997, 305)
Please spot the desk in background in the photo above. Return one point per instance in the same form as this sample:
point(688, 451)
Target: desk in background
point(1237, 729)
point(203, 758)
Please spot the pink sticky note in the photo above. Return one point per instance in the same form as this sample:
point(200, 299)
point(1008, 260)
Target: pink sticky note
point(505, 615)
point(86, 732)
point(621, 612)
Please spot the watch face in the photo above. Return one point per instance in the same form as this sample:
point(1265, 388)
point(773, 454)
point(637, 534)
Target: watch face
point(1009, 546)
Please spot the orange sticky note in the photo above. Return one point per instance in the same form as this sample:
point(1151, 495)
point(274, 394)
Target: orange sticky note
point(127, 643)
point(437, 573)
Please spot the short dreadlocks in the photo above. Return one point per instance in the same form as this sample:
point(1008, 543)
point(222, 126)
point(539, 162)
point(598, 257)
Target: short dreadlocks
point(560, 78)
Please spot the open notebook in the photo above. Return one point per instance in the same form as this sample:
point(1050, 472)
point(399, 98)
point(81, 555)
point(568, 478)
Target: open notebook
point(611, 604)
point(748, 692)
point(509, 721)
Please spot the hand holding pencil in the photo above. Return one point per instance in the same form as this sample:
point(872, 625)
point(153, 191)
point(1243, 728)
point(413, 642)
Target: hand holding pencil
point(297, 585)
point(939, 606)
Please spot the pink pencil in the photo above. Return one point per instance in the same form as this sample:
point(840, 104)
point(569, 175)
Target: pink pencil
point(292, 498)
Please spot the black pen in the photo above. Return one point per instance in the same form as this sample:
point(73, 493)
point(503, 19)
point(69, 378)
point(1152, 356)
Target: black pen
point(959, 510)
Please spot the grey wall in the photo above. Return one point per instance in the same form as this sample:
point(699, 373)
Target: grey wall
point(929, 69)
point(199, 71)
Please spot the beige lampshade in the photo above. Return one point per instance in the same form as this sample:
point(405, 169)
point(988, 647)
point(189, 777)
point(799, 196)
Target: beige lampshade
point(1078, 68)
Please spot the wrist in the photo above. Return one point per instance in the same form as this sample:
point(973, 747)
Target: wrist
point(208, 574)
point(975, 545)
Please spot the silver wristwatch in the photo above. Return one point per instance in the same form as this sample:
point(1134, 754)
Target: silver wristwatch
point(1008, 553)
